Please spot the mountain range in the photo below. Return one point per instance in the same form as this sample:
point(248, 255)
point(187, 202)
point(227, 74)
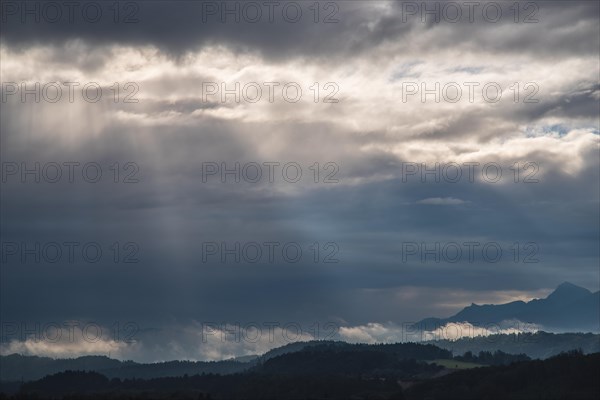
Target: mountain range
point(569, 308)
point(16, 367)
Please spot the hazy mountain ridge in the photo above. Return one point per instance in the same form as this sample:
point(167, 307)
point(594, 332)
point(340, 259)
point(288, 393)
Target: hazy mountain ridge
point(538, 345)
point(568, 308)
point(17, 367)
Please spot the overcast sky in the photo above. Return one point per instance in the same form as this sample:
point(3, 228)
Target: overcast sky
point(346, 96)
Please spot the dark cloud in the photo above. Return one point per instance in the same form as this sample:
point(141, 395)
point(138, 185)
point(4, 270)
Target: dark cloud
point(180, 26)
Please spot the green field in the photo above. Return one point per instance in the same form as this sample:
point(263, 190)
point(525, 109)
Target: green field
point(454, 364)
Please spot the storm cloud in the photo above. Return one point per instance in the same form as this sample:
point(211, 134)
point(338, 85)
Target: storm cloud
point(347, 201)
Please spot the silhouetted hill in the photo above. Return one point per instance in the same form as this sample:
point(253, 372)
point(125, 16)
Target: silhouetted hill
point(237, 386)
point(16, 367)
point(69, 382)
point(400, 360)
point(570, 376)
point(568, 308)
point(294, 347)
point(419, 351)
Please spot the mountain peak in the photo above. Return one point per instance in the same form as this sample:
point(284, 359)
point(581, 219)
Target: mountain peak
point(568, 285)
point(568, 291)
point(568, 307)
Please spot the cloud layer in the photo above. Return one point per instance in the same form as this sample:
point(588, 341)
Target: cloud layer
point(399, 132)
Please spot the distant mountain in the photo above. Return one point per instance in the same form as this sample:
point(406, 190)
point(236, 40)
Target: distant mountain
point(16, 367)
point(538, 345)
point(568, 308)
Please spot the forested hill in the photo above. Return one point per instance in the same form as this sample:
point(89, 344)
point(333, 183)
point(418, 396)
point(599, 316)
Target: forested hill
point(567, 376)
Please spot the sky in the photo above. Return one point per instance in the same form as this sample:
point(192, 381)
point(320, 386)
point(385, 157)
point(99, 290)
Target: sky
point(201, 180)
